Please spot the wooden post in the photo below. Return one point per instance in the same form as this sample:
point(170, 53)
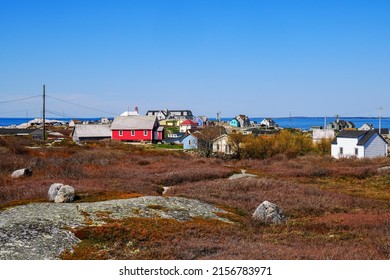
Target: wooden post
point(44, 113)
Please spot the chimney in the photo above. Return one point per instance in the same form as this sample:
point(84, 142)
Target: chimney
point(136, 109)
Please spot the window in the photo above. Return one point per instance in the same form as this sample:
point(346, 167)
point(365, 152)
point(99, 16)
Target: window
point(356, 151)
point(132, 133)
point(120, 132)
point(145, 133)
point(218, 147)
point(341, 151)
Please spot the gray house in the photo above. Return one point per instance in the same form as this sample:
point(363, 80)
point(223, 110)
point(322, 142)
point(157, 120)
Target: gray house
point(340, 125)
point(359, 143)
point(26, 132)
point(91, 132)
point(170, 114)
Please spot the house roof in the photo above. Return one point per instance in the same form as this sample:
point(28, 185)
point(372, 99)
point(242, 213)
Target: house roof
point(133, 122)
point(92, 130)
point(189, 122)
point(364, 135)
point(383, 130)
point(130, 113)
point(15, 131)
point(343, 123)
point(220, 137)
point(203, 118)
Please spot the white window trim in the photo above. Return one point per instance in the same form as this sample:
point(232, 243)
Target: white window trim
point(132, 132)
point(120, 132)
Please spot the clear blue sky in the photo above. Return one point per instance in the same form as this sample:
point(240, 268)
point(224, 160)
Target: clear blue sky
point(260, 58)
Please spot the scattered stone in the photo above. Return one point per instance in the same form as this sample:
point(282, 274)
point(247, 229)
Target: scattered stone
point(166, 189)
point(65, 194)
point(24, 172)
point(269, 213)
point(53, 191)
point(55, 134)
point(384, 170)
point(242, 175)
point(60, 193)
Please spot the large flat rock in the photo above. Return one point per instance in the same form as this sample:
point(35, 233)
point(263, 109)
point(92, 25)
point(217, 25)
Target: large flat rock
point(42, 230)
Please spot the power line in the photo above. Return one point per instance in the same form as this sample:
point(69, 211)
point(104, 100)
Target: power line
point(20, 99)
point(97, 110)
point(60, 114)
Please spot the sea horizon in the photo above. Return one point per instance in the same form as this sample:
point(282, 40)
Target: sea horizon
point(301, 122)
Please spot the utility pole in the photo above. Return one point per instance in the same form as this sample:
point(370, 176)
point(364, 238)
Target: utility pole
point(44, 113)
point(325, 122)
point(380, 119)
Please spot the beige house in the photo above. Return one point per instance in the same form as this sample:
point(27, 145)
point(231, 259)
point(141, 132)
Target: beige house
point(222, 145)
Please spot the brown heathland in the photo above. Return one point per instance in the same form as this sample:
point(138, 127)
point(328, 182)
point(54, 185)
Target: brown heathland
point(336, 209)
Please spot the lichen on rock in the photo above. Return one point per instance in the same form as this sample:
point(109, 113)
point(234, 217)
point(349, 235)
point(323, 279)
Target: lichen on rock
point(42, 230)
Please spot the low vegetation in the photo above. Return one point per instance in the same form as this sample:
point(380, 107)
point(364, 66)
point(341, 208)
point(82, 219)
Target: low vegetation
point(336, 209)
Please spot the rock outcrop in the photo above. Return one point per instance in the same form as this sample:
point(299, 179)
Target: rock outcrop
point(41, 230)
point(269, 213)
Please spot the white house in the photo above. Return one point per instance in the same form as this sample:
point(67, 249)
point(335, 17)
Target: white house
point(360, 144)
point(366, 126)
point(131, 113)
point(222, 145)
point(268, 123)
point(187, 125)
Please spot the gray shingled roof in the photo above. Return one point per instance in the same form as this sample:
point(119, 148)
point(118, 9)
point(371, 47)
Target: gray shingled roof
point(133, 122)
point(92, 130)
point(365, 134)
point(15, 131)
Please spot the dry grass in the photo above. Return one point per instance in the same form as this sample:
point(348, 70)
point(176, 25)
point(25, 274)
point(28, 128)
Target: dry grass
point(336, 209)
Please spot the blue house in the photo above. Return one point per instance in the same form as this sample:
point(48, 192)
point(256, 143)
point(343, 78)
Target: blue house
point(190, 142)
point(234, 123)
point(201, 121)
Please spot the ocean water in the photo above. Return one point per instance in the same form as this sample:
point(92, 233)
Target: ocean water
point(305, 123)
point(294, 122)
point(18, 121)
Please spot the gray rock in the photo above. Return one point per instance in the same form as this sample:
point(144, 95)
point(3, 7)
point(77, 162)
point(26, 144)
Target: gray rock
point(269, 213)
point(65, 194)
point(24, 172)
point(242, 175)
point(60, 193)
point(384, 170)
point(39, 231)
point(53, 191)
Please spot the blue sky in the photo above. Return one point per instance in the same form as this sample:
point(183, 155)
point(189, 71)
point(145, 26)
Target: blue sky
point(260, 58)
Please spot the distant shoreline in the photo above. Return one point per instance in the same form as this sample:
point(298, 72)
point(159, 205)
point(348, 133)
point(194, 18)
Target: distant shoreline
point(304, 123)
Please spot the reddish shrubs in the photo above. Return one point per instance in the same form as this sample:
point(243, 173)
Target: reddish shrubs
point(337, 209)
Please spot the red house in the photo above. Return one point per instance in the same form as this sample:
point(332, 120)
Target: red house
point(137, 129)
point(187, 125)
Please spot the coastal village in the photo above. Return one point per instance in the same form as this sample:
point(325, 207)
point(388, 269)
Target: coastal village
point(181, 129)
